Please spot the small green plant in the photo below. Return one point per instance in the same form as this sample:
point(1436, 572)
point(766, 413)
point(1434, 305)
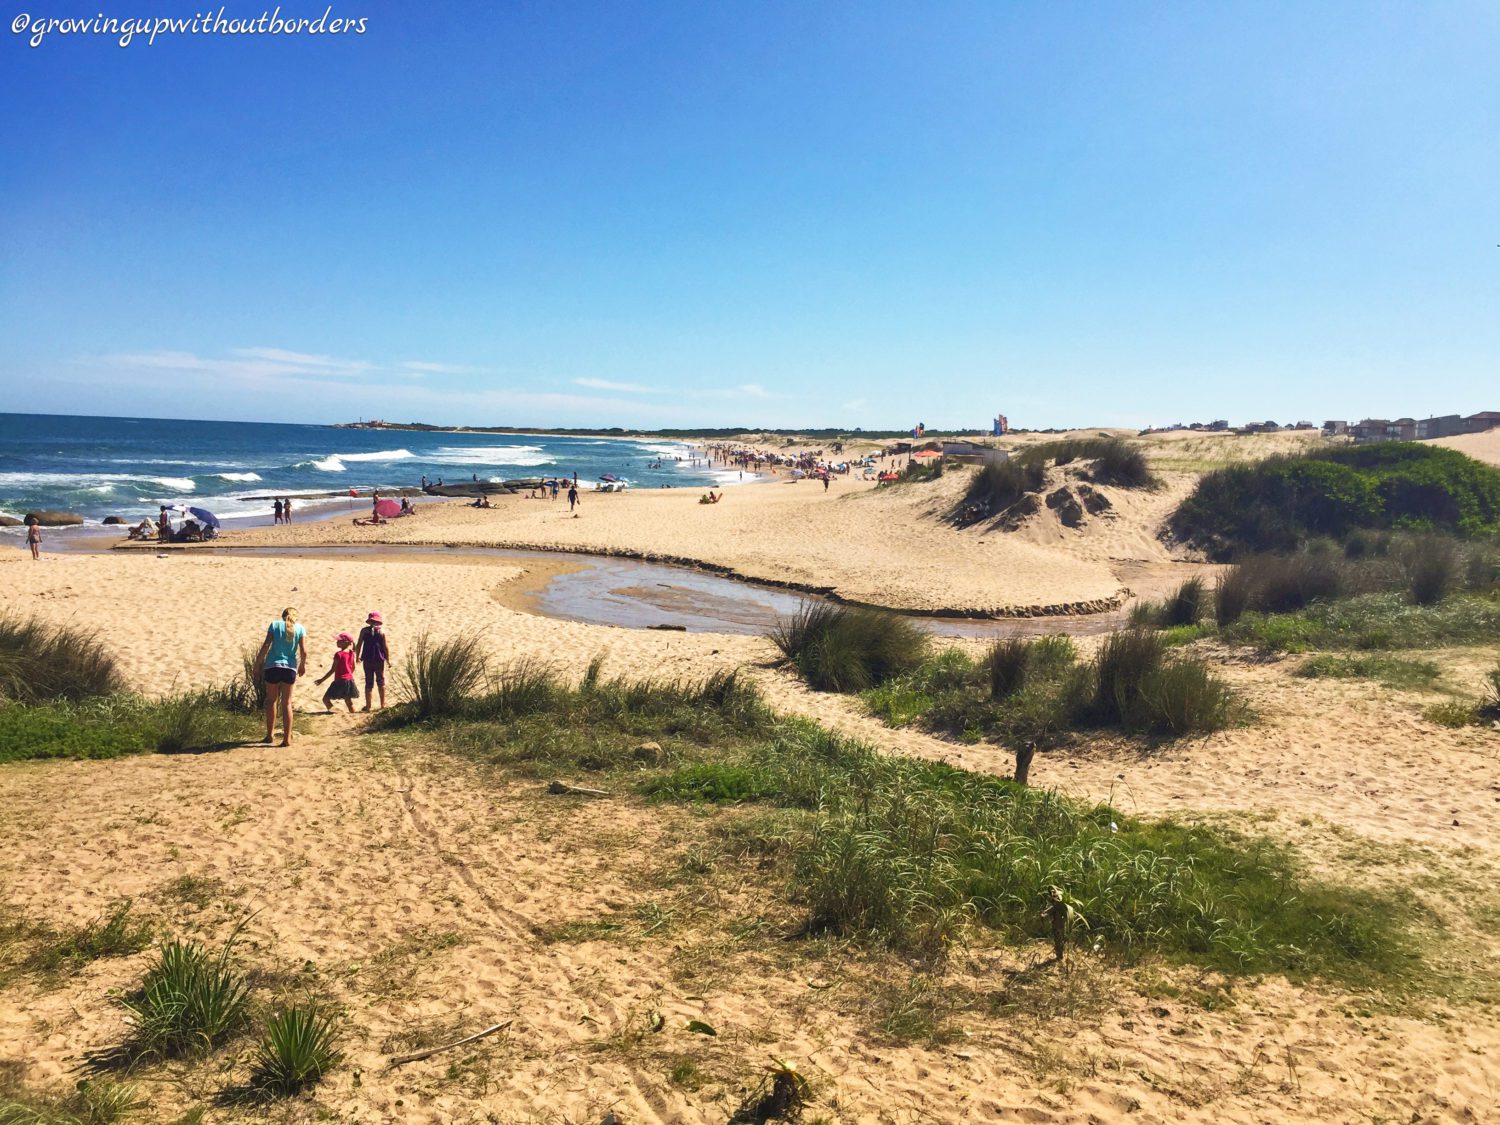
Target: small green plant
point(91, 1103)
point(1393, 671)
point(189, 1003)
point(116, 934)
point(296, 1050)
point(1489, 706)
point(1452, 713)
point(848, 648)
point(438, 678)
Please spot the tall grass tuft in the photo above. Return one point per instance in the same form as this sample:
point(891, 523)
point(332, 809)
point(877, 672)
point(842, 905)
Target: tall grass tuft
point(848, 648)
point(189, 1003)
point(1432, 571)
point(1115, 462)
point(1008, 663)
point(297, 1049)
point(40, 662)
point(1000, 484)
point(439, 678)
point(1187, 605)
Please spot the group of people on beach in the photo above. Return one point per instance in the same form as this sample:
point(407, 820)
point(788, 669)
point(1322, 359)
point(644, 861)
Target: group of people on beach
point(283, 657)
point(281, 511)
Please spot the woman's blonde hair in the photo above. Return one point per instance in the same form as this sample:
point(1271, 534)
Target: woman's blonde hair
point(289, 615)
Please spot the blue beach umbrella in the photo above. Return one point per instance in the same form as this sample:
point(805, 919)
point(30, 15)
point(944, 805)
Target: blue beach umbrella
point(202, 515)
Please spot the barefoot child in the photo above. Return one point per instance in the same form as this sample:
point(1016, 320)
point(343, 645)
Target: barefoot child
point(342, 671)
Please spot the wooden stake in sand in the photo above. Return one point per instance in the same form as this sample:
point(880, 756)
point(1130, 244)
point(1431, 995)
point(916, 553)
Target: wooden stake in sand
point(1024, 753)
point(1057, 910)
point(448, 1046)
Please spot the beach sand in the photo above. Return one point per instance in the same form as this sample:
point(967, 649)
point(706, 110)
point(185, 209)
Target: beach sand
point(425, 895)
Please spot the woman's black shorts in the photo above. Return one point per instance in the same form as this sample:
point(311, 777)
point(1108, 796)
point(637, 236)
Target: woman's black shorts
point(279, 675)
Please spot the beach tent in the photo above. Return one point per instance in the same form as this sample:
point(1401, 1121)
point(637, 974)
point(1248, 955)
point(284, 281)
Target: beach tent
point(387, 508)
point(925, 455)
point(202, 515)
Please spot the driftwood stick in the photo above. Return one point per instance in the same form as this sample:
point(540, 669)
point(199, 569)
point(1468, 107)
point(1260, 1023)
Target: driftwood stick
point(562, 789)
point(449, 1046)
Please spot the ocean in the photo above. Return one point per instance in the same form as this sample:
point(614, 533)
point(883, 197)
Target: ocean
point(128, 467)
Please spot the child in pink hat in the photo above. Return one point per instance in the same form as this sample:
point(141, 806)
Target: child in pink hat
point(342, 671)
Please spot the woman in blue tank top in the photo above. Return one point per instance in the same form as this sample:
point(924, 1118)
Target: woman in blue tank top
point(283, 657)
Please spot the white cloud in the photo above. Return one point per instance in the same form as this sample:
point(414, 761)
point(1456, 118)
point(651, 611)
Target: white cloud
point(607, 385)
point(422, 367)
point(741, 390)
point(303, 361)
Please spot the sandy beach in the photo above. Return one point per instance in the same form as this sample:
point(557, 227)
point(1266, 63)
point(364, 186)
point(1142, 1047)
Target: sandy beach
point(425, 892)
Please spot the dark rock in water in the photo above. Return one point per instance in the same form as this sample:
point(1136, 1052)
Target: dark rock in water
point(55, 519)
point(9, 521)
point(113, 519)
point(1067, 507)
point(669, 628)
point(1095, 502)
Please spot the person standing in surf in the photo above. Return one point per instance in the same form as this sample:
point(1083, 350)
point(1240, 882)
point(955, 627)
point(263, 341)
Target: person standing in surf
point(34, 536)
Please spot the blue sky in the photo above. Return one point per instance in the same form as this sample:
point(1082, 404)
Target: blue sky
point(764, 213)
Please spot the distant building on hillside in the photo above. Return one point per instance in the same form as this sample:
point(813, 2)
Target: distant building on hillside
point(1335, 428)
point(978, 454)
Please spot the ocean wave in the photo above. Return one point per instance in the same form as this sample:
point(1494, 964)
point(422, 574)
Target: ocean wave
point(667, 450)
point(330, 464)
point(379, 455)
point(90, 481)
point(238, 476)
point(489, 455)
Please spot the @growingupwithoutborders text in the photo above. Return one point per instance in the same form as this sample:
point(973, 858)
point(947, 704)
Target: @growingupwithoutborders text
point(132, 30)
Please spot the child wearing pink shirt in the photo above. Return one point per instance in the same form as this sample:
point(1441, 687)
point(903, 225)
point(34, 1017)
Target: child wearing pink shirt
point(342, 671)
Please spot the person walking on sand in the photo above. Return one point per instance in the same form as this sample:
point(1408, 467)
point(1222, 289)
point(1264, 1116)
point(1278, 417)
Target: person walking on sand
point(342, 671)
point(276, 512)
point(286, 510)
point(34, 536)
point(283, 656)
point(573, 496)
point(373, 650)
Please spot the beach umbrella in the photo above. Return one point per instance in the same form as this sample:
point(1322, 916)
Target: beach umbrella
point(925, 455)
point(387, 508)
point(609, 477)
point(203, 515)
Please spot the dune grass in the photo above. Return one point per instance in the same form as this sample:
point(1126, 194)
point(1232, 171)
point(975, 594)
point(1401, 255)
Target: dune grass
point(190, 1002)
point(848, 648)
point(91, 1102)
point(1034, 690)
point(1112, 461)
point(1392, 671)
point(1370, 622)
point(913, 855)
point(41, 662)
point(118, 725)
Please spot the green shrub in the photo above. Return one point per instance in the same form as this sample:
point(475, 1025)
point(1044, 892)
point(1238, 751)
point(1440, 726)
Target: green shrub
point(189, 1003)
point(92, 1102)
point(41, 663)
point(1277, 503)
point(296, 1050)
point(848, 648)
point(440, 678)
